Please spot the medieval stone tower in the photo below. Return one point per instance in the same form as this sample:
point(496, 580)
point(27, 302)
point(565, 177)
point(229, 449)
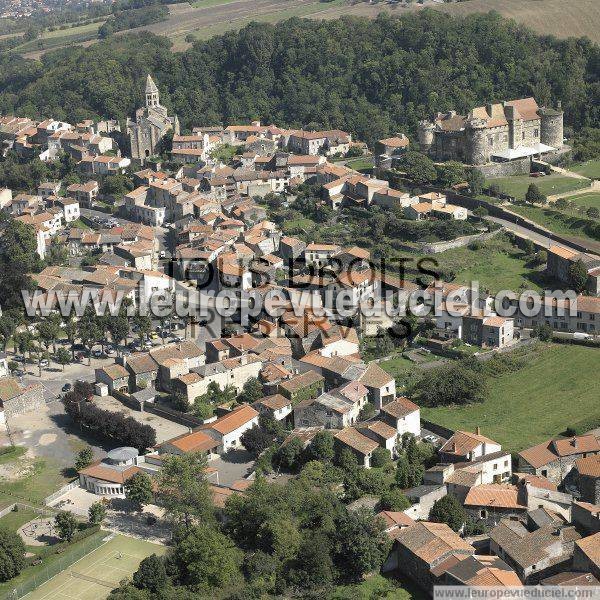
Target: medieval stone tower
point(477, 149)
point(426, 136)
point(150, 125)
point(551, 126)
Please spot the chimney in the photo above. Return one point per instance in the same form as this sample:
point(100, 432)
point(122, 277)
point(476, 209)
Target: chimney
point(574, 442)
point(478, 430)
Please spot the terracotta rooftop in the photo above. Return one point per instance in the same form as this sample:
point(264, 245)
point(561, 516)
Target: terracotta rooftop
point(234, 420)
point(590, 546)
point(495, 496)
point(197, 441)
point(354, 439)
point(589, 466)
point(400, 407)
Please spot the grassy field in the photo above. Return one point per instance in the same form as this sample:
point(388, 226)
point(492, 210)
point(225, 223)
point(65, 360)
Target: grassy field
point(111, 562)
point(551, 184)
point(497, 265)
point(589, 168)
point(40, 479)
point(378, 587)
point(363, 164)
point(588, 200)
point(558, 388)
point(556, 221)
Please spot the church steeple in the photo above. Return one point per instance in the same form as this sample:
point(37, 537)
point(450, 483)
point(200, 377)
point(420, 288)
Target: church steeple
point(152, 98)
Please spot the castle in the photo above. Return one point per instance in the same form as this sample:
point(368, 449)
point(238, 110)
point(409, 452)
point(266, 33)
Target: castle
point(150, 125)
point(494, 133)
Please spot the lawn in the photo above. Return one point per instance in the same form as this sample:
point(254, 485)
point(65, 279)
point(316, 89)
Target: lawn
point(589, 168)
point(497, 265)
point(362, 164)
point(587, 200)
point(558, 388)
point(93, 576)
point(61, 37)
point(551, 184)
point(41, 478)
point(378, 587)
point(554, 220)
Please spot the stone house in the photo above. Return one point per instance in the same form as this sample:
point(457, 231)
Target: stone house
point(277, 407)
point(143, 370)
point(586, 516)
point(554, 459)
point(420, 549)
point(228, 429)
point(382, 433)
point(481, 571)
point(533, 554)
point(403, 415)
point(115, 376)
point(491, 502)
point(588, 478)
point(586, 556)
point(361, 445)
point(465, 446)
point(302, 387)
point(16, 399)
point(487, 331)
point(559, 263)
point(422, 499)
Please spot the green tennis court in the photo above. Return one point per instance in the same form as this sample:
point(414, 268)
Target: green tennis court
point(96, 574)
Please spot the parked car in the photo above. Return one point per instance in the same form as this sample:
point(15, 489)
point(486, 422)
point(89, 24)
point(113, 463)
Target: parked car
point(44, 362)
point(67, 387)
point(97, 353)
point(19, 358)
point(79, 357)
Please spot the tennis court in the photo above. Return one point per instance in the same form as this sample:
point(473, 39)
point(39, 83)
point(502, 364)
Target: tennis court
point(96, 574)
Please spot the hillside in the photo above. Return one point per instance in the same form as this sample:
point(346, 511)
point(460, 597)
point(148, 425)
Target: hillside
point(370, 77)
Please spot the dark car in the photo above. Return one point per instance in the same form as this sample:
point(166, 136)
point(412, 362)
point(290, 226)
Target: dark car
point(67, 387)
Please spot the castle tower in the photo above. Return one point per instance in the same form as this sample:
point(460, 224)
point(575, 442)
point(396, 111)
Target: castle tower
point(477, 148)
point(551, 126)
point(426, 136)
point(152, 98)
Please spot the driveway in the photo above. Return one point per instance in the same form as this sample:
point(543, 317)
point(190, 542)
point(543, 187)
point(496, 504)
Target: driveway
point(234, 465)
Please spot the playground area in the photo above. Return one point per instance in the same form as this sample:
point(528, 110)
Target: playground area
point(96, 574)
point(39, 531)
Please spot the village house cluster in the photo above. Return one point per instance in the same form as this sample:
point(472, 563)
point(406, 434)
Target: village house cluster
point(541, 507)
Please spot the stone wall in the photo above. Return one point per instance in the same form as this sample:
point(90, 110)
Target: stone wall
point(520, 166)
point(32, 398)
point(436, 247)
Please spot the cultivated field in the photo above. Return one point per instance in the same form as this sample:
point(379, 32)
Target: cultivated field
point(93, 576)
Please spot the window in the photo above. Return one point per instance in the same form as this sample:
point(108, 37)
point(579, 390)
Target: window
point(483, 513)
point(495, 466)
point(536, 132)
point(506, 463)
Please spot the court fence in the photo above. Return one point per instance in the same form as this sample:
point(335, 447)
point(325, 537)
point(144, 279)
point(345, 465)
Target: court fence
point(62, 562)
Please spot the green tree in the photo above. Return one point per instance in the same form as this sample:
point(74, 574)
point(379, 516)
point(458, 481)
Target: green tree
point(183, 488)
point(96, 513)
point(256, 440)
point(12, 554)
point(251, 391)
point(84, 458)
point(362, 544)
point(18, 258)
point(289, 454)
point(393, 499)
point(90, 330)
point(534, 195)
point(66, 525)
point(321, 447)
point(63, 357)
point(7, 329)
point(143, 327)
point(451, 173)
point(138, 490)
point(206, 559)
point(543, 332)
point(118, 327)
point(116, 185)
point(578, 276)
point(151, 574)
point(448, 510)
point(449, 384)
point(381, 457)
point(417, 167)
point(476, 181)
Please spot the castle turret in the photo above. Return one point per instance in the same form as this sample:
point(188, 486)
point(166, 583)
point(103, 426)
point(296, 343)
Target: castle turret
point(477, 147)
point(152, 98)
point(425, 134)
point(551, 126)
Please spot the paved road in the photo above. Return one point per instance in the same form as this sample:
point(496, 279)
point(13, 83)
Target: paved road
point(521, 229)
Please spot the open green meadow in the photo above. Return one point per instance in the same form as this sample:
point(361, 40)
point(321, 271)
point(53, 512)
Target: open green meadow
point(61, 37)
point(96, 574)
point(589, 200)
point(558, 388)
point(589, 168)
point(551, 184)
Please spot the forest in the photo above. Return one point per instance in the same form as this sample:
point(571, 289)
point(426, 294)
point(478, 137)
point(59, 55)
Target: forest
point(369, 77)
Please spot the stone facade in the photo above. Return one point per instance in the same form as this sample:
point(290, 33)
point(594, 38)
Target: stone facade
point(150, 125)
point(495, 132)
point(31, 398)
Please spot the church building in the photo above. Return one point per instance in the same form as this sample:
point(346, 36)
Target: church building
point(151, 124)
